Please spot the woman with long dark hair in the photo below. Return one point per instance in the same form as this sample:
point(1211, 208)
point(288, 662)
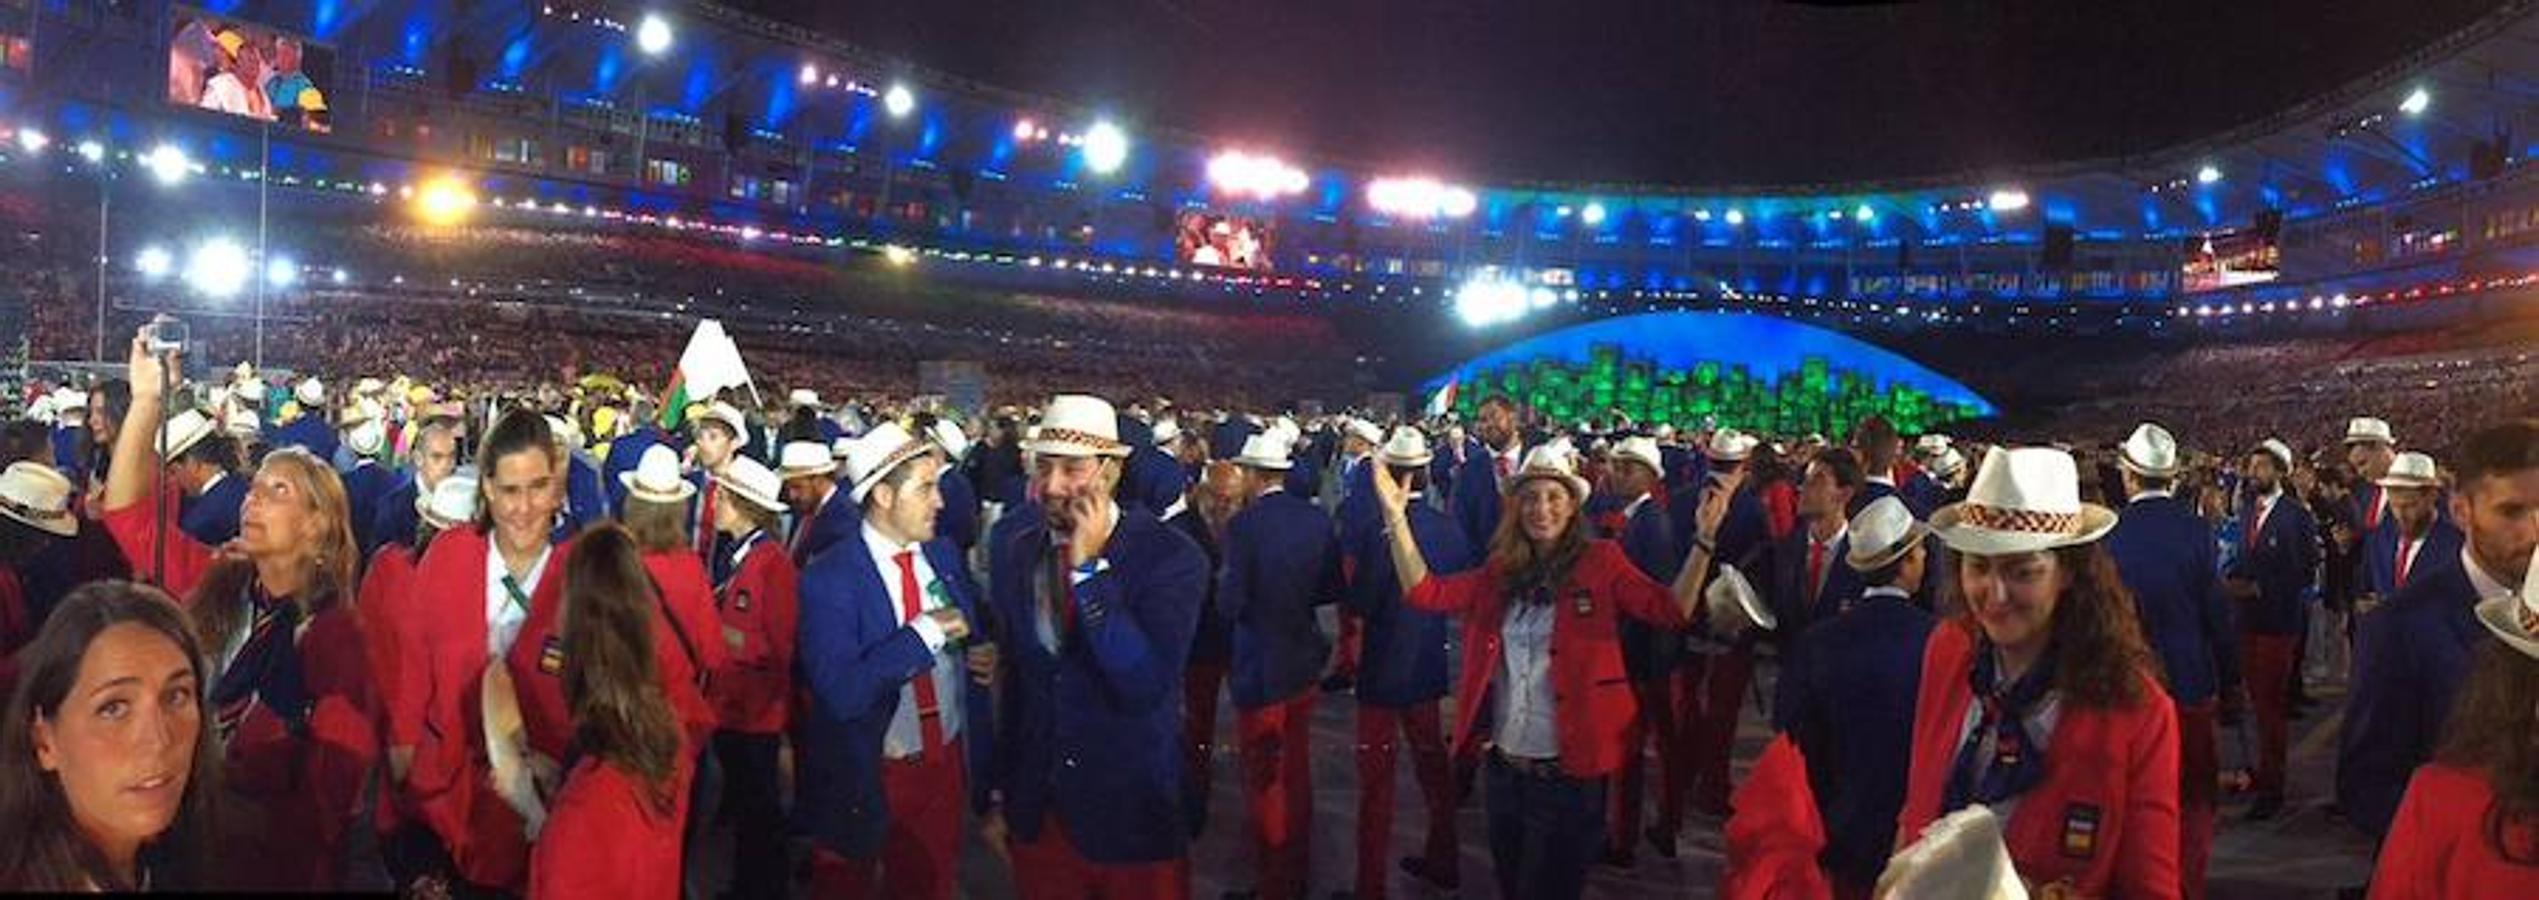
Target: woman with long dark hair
point(275, 609)
point(614, 828)
point(1540, 616)
point(2041, 700)
point(2469, 826)
point(108, 775)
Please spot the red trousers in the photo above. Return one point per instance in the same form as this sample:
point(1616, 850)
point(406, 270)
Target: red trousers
point(2199, 789)
point(1050, 869)
point(1418, 726)
point(1201, 683)
point(1714, 688)
point(1655, 725)
point(921, 855)
point(2266, 662)
point(1278, 784)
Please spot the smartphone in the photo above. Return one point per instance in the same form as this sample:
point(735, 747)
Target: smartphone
point(165, 334)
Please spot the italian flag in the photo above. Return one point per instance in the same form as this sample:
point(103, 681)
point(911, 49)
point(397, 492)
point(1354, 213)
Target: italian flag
point(1443, 400)
point(710, 364)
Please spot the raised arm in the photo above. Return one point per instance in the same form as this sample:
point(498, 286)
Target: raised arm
point(135, 460)
point(1408, 563)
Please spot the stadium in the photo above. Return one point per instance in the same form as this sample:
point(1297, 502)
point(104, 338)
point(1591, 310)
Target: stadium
point(547, 204)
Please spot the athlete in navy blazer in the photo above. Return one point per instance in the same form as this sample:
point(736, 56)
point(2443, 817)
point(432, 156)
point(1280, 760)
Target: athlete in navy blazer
point(2441, 547)
point(1798, 611)
point(212, 516)
point(960, 521)
point(2277, 566)
point(854, 656)
point(309, 430)
point(2165, 555)
point(2282, 559)
point(1405, 657)
point(1401, 677)
point(2410, 657)
point(1850, 708)
point(837, 520)
point(1091, 731)
point(1281, 561)
point(366, 485)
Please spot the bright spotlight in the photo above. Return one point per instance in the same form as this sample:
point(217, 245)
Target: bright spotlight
point(653, 35)
point(899, 101)
point(1486, 301)
point(169, 163)
point(444, 201)
point(810, 75)
point(1420, 198)
point(2008, 200)
point(1864, 213)
point(2417, 102)
point(33, 141)
point(1262, 177)
point(1105, 148)
point(342, 276)
point(219, 268)
point(898, 255)
point(92, 151)
point(1593, 214)
point(1736, 217)
point(154, 262)
point(2208, 174)
point(281, 272)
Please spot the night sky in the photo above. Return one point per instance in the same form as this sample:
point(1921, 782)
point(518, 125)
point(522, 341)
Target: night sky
point(1708, 93)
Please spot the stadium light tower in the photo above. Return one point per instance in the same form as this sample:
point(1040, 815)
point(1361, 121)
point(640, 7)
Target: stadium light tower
point(169, 163)
point(1105, 148)
point(218, 269)
point(2417, 102)
point(899, 101)
point(653, 35)
point(2208, 174)
point(1592, 214)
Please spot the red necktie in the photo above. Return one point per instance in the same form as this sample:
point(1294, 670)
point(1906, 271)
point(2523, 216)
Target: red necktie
point(705, 519)
point(801, 530)
point(2248, 541)
point(1062, 592)
point(1815, 569)
point(1505, 467)
point(929, 713)
point(2371, 511)
point(2404, 545)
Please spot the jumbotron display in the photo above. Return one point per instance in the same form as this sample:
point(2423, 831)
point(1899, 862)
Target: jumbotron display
point(1757, 373)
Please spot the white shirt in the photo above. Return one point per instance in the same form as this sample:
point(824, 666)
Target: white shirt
point(2488, 587)
point(2148, 495)
point(503, 615)
point(906, 736)
point(1888, 480)
point(211, 482)
point(1526, 728)
point(225, 93)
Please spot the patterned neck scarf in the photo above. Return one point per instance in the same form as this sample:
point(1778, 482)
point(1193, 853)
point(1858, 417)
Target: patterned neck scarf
point(266, 669)
point(2017, 762)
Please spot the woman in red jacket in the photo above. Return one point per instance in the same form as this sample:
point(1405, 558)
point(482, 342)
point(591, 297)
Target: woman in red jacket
point(2469, 826)
point(1540, 619)
point(390, 630)
point(292, 697)
point(613, 829)
point(759, 598)
point(2041, 701)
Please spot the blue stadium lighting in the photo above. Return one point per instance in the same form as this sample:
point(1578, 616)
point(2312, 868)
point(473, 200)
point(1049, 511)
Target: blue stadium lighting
point(281, 272)
point(2007, 200)
point(92, 151)
point(1701, 215)
point(1736, 217)
point(810, 75)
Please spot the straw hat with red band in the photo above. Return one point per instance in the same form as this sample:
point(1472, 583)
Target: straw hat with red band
point(2023, 500)
point(1077, 425)
point(871, 458)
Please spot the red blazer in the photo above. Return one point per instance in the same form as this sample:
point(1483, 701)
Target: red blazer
point(438, 710)
point(536, 659)
point(1592, 704)
point(1776, 834)
point(2104, 820)
point(15, 630)
point(2438, 846)
point(389, 633)
point(605, 839)
point(759, 608)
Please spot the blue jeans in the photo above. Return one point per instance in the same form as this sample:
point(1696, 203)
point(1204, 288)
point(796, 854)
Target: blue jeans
point(1545, 831)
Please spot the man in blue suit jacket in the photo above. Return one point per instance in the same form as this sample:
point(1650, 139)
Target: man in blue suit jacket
point(2277, 566)
point(207, 474)
point(2411, 655)
point(1716, 674)
point(1095, 607)
point(624, 452)
point(2412, 534)
point(1401, 679)
point(900, 711)
point(1480, 483)
point(824, 515)
point(1650, 655)
point(1281, 561)
point(1809, 582)
point(368, 483)
point(434, 455)
point(310, 430)
point(2164, 553)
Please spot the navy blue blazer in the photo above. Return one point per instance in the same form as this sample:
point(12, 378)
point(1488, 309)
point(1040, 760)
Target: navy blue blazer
point(585, 502)
point(1304, 477)
point(2410, 657)
point(836, 520)
point(854, 656)
point(1402, 660)
point(1475, 501)
point(309, 430)
point(2284, 562)
point(1648, 538)
point(1683, 466)
point(1869, 493)
point(959, 520)
point(1225, 441)
point(623, 454)
point(1850, 708)
point(212, 518)
point(1797, 612)
point(1092, 731)
point(395, 521)
point(1358, 513)
point(1281, 561)
point(70, 455)
point(366, 486)
point(1152, 480)
point(1213, 641)
point(2380, 555)
point(1922, 494)
point(2164, 553)
point(1745, 533)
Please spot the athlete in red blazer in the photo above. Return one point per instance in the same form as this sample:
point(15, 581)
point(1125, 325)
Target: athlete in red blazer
point(686, 641)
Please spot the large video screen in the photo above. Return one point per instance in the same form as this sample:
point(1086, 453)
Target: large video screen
point(1222, 241)
point(230, 66)
point(2231, 258)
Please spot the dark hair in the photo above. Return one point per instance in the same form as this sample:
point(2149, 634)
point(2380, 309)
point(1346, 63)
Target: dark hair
point(1844, 465)
point(613, 687)
point(25, 440)
point(2501, 451)
point(1499, 400)
point(46, 850)
point(1875, 439)
point(113, 397)
point(2491, 731)
point(2103, 658)
point(520, 430)
point(1412, 478)
point(898, 476)
point(219, 451)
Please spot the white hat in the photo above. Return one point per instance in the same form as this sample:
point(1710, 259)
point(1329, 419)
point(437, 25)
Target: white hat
point(804, 458)
point(656, 477)
point(1643, 450)
point(838, 448)
point(1930, 444)
point(2023, 500)
point(872, 456)
point(368, 386)
point(1265, 451)
point(310, 392)
point(751, 480)
point(803, 397)
point(1731, 605)
point(250, 389)
point(726, 414)
point(565, 430)
point(1948, 463)
point(1731, 445)
point(2278, 450)
point(1167, 431)
point(1882, 533)
point(1666, 432)
point(1407, 447)
point(451, 503)
point(41, 409)
point(182, 432)
point(1555, 459)
point(243, 423)
point(948, 436)
point(2368, 430)
point(2515, 620)
point(65, 400)
point(2150, 452)
point(369, 438)
point(1077, 425)
point(1961, 855)
point(1364, 430)
point(2410, 470)
point(36, 495)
